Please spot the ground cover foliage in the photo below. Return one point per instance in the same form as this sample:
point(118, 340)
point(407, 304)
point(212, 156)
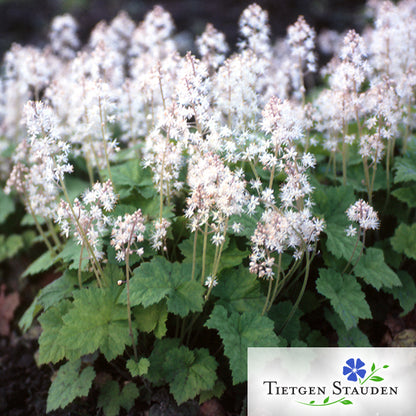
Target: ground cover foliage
point(195, 205)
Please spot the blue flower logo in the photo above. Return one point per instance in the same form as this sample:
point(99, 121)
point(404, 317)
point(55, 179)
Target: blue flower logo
point(354, 369)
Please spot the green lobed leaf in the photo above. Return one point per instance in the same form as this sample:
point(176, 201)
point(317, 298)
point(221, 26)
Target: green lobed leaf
point(96, 321)
point(339, 244)
point(405, 168)
point(160, 279)
point(50, 347)
point(238, 332)
point(345, 295)
point(149, 283)
point(332, 202)
point(217, 391)
point(69, 384)
point(190, 372)
point(29, 238)
point(157, 373)
point(41, 264)
point(238, 290)
point(111, 400)
point(71, 254)
point(372, 268)
point(352, 337)
point(185, 296)
point(376, 378)
point(346, 402)
point(153, 318)
point(138, 368)
point(122, 209)
point(406, 293)
point(373, 367)
point(131, 174)
point(59, 289)
point(406, 194)
point(128, 396)
point(112, 274)
point(404, 240)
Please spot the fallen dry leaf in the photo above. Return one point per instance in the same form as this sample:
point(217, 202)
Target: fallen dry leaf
point(212, 408)
point(406, 338)
point(8, 305)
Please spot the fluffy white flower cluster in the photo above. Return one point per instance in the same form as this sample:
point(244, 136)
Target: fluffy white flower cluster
point(212, 47)
point(254, 28)
point(384, 56)
point(281, 119)
point(301, 39)
point(235, 91)
point(192, 91)
point(342, 102)
point(154, 35)
point(279, 231)
point(41, 161)
point(63, 36)
point(87, 103)
point(86, 220)
point(286, 129)
point(364, 214)
point(130, 84)
point(127, 231)
point(159, 233)
point(216, 193)
point(132, 76)
point(165, 158)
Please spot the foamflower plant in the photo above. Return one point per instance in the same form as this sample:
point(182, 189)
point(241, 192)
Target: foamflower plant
point(193, 206)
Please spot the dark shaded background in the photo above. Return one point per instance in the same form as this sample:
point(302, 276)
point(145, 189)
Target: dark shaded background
point(27, 21)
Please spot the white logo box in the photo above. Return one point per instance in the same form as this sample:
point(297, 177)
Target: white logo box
point(313, 381)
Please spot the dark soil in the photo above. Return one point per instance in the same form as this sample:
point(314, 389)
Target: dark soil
point(24, 389)
point(22, 385)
